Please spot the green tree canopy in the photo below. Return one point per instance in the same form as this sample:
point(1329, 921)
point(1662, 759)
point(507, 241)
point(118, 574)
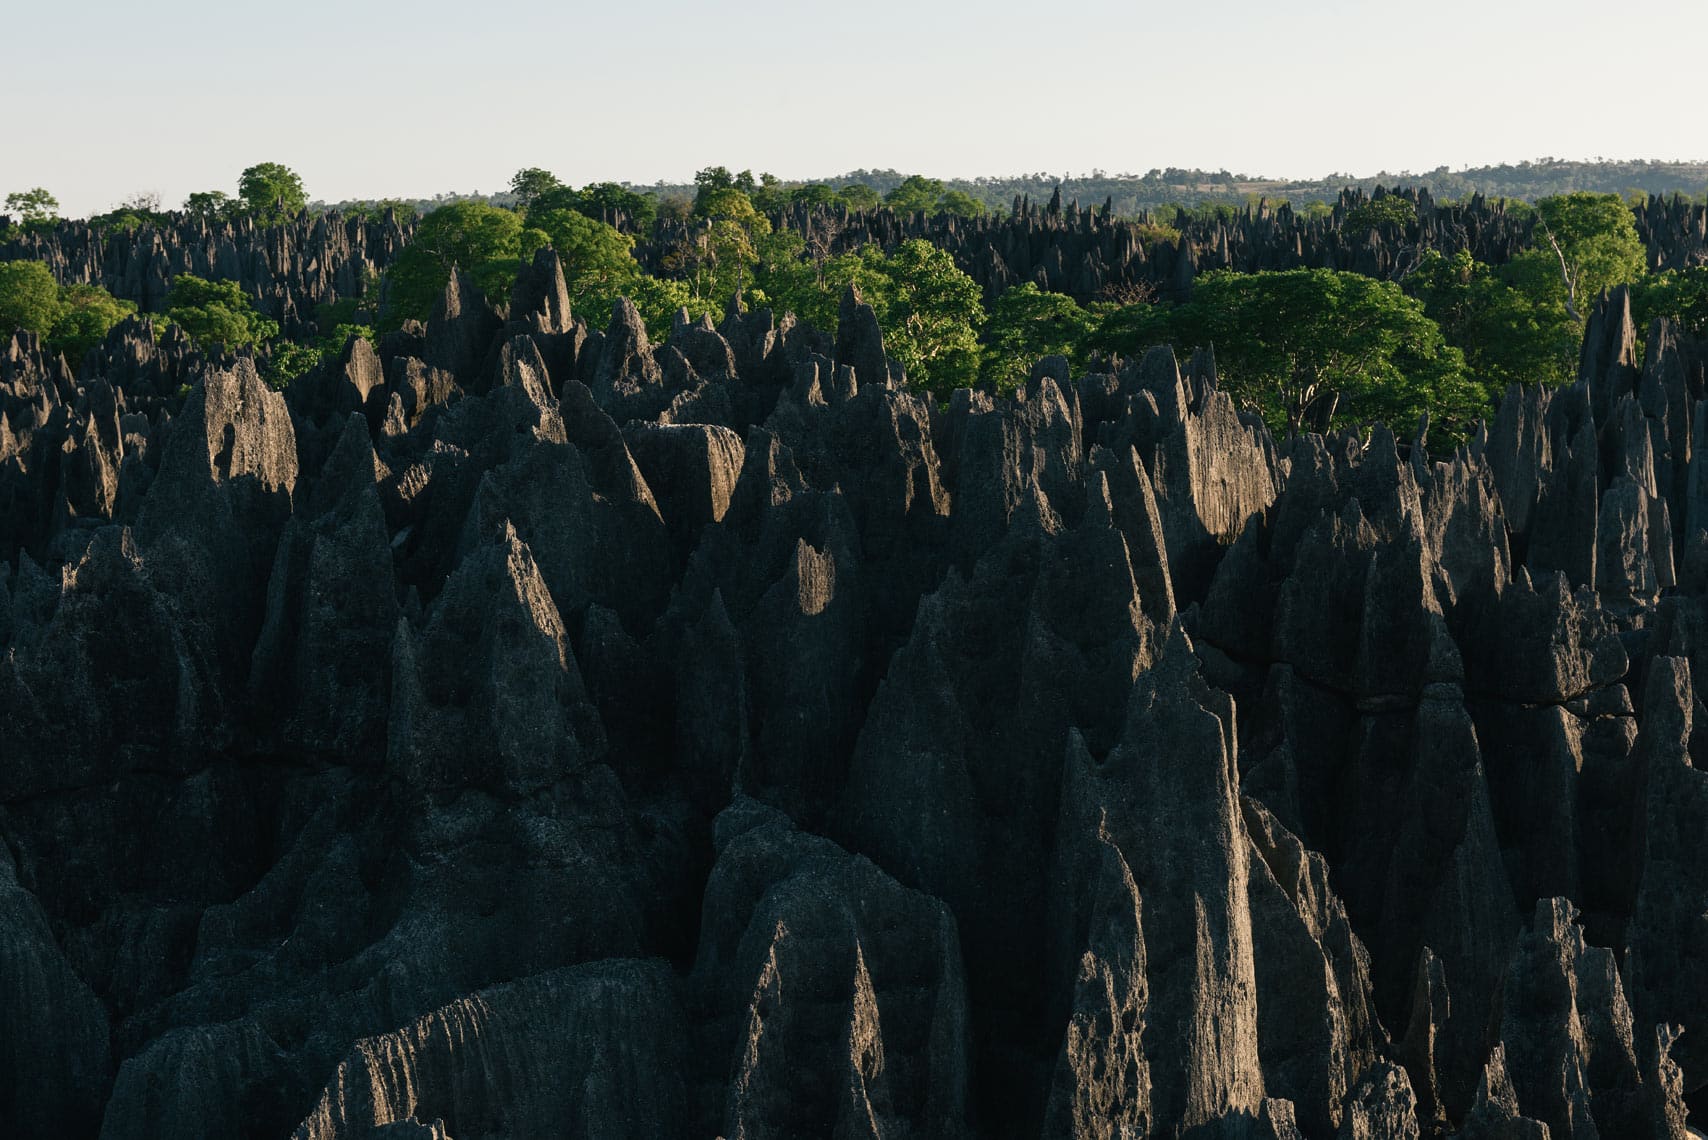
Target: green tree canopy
point(86, 314)
point(216, 312)
point(1679, 294)
point(960, 203)
point(1510, 322)
point(528, 184)
point(915, 193)
point(1313, 346)
point(713, 181)
point(597, 264)
point(271, 192)
point(600, 198)
point(211, 205)
point(929, 310)
point(1388, 210)
point(29, 298)
point(34, 207)
point(71, 319)
point(770, 195)
point(1027, 324)
point(815, 194)
point(931, 315)
point(860, 196)
point(485, 241)
point(1592, 244)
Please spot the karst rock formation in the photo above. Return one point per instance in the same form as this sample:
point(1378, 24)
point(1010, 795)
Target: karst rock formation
point(525, 728)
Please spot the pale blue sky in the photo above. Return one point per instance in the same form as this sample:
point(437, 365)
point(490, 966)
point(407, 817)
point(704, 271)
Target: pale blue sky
point(100, 100)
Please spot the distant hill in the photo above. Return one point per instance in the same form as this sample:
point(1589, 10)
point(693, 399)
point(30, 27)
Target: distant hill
point(1133, 193)
point(1136, 193)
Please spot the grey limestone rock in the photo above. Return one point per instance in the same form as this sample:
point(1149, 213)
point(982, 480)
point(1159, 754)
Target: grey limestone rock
point(588, 1050)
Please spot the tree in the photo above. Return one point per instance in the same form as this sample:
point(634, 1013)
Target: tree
point(211, 205)
point(658, 300)
point(216, 312)
point(915, 193)
point(815, 195)
point(1678, 294)
point(1314, 347)
point(138, 210)
point(608, 199)
point(36, 208)
point(930, 314)
point(770, 196)
point(1025, 325)
point(597, 264)
point(1388, 210)
point(529, 183)
point(86, 314)
point(860, 196)
point(960, 203)
point(714, 180)
point(271, 193)
point(1511, 322)
point(71, 319)
point(719, 257)
point(1593, 238)
point(485, 241)
point(29, 298)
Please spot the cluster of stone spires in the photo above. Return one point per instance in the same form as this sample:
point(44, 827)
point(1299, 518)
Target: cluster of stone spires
point(519, 728)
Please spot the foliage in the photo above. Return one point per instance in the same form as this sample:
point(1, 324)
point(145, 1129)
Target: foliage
point(529, 183)
point(597, 264)
point(1152, 233)
point(718, 255)
point(1376, 213)
point(600, 199)
point(959, 203)
point(86, 314)
point(712, 182)
point(915, 193)
point(375, 209)
point(538, 192)
point(126, 219)
point(1593, 243)
point(212, 205)
point(29, 298)
point(859, 196)
point(1313, 345)
point(1511, 323)
point(35, 207)
point(71, 319)
point(283, 361)
point(216, 312)
point(1678, 294)
point(816, 194)
point(770, 195)
point(658, 299)
point(271, 192)
point(931, 312)
point(1027, 324)
point(485, 241)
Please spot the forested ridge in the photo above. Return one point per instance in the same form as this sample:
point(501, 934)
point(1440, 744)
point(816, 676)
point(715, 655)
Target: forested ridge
point(775, 663)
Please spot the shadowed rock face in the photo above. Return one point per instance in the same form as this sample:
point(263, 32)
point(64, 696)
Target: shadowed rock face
point(516, 730)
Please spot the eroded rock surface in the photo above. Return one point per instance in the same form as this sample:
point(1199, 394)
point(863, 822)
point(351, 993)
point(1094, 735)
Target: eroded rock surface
point(519, 729)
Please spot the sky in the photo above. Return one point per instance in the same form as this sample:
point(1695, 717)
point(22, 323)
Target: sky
point(100, 101)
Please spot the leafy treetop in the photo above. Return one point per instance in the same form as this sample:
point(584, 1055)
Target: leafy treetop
point(271, 192)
